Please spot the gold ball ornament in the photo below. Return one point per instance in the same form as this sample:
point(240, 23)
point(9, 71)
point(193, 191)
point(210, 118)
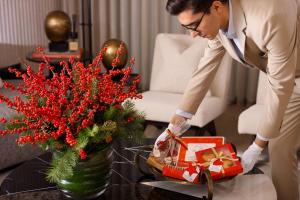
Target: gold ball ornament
point(112, 46)
point(57, 26)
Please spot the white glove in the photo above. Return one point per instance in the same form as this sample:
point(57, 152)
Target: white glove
point(177, 129)
point(250, 157)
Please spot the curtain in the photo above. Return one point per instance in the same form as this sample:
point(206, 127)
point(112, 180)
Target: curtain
point(22, 27)
point(243, 84)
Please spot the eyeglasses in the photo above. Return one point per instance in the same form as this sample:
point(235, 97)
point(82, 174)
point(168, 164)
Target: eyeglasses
point(193, 26)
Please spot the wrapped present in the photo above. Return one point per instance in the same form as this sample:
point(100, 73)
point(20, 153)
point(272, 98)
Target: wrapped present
point(186, 153)
point(182, 171)
point(175, 156)
point(221, 161)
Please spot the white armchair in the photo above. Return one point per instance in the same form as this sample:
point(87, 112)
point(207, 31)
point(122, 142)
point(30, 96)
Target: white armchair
point(253, 113)
point(175, 58)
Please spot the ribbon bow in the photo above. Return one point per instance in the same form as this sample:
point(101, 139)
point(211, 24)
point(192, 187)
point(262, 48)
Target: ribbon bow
point(218, 156)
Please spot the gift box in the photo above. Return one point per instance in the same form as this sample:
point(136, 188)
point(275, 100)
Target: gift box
point(186, 172)
point(186, 153)
point(181, 170)
point(221, 161)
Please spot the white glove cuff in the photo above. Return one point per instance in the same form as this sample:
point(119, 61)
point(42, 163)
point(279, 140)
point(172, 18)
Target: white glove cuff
point(255, 148)
point(184, 114)
point(262, 138)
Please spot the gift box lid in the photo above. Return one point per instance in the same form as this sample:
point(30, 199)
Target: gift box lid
point(221, 161)
point(195, 144)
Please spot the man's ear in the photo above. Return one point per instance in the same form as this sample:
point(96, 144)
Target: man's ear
point(218, 6)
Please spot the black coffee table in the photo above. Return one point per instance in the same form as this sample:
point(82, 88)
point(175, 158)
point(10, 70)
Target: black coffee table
point(27, 182)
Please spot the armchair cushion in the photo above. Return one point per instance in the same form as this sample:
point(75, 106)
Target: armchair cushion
point(176, 57)
point(172, 75)
point(249, 119)
point(163, 109)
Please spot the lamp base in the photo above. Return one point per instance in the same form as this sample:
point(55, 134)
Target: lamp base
point(58, 46)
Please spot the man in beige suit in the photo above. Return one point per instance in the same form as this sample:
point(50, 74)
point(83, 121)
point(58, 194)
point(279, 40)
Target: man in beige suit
point(260, 34)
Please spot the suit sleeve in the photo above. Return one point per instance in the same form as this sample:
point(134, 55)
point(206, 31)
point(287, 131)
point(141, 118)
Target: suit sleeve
point(202, 77)
point(281, 44)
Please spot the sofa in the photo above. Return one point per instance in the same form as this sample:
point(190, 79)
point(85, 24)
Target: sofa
point(11, 153)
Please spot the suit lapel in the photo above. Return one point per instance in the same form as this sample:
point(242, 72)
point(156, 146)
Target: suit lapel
point(239, 22)
point(229, 47)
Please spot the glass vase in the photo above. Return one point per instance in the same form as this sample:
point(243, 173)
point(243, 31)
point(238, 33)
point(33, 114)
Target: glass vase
point(91, 176)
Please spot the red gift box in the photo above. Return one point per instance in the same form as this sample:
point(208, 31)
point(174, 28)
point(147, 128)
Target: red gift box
point(180, 170)
point(221, 161)
point(183, 171)
point(195, 144)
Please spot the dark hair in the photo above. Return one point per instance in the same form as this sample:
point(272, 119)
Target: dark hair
point(175, 7)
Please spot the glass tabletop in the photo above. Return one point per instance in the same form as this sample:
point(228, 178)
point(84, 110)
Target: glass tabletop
point(28, 180)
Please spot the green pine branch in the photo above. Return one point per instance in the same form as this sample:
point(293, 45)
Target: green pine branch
point(62, 166)
point(109, 128)
point(111, 114)
point(83, 139)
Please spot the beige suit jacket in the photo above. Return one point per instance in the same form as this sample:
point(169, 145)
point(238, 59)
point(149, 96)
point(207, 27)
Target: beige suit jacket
point(267, 32)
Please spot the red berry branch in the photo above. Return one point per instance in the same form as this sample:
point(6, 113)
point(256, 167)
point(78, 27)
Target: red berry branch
point(60, 107)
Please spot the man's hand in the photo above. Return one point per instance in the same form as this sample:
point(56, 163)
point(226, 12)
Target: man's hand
point(250, 156)
point(178, 130)
point(177, 126)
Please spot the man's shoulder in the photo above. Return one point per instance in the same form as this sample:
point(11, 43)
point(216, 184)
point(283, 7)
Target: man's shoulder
point(266, 8)
point(259, 13)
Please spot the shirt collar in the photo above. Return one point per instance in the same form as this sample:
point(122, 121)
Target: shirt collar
point(230, 33)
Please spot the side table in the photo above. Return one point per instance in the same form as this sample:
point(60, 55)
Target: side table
point(86, 57)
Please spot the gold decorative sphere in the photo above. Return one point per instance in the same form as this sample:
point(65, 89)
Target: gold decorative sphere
point(110, 54)
point(57, 26)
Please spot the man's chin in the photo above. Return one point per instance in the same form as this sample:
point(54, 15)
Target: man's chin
point(210, 37)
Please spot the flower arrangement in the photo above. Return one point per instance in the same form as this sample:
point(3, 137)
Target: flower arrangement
point(76, 112)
